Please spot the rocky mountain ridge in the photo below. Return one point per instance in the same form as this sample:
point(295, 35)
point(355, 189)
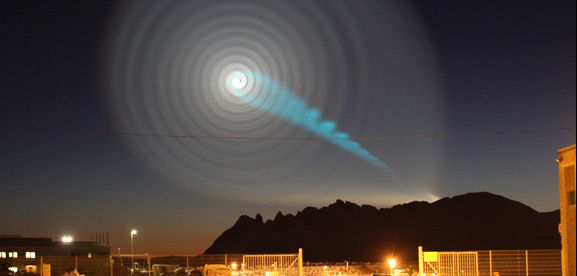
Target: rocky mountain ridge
point(347, 231)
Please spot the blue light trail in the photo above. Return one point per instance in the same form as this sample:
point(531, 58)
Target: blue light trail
point(278, 100)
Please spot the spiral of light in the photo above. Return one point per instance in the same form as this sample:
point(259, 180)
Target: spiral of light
point(179, 67)
point(283, 103)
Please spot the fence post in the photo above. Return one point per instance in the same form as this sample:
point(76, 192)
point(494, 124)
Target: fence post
point(490, 263)
point(477, 262)
point(420, 260)
point(148, 255)
point(527, 262)
point(301, 262)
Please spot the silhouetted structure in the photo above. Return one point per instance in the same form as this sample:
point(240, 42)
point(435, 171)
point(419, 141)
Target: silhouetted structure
point(566, 159)
point(29, 254)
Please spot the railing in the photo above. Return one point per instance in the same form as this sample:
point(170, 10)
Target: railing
point(464, 263)
point(491, 263)
point(57, 265)
point(168, 265)
point(273, 264)
point(520, 262)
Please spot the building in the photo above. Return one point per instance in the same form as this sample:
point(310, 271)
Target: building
point(31, 255)
point(566, 160)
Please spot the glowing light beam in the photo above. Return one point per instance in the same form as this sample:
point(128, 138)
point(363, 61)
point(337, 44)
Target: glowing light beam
point(280, 101)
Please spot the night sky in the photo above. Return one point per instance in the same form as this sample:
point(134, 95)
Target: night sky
point(119, 116)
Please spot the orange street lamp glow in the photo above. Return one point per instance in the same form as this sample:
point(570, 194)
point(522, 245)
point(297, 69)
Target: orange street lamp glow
point(392, 264)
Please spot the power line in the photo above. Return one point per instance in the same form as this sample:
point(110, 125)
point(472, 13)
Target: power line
point(377, 138)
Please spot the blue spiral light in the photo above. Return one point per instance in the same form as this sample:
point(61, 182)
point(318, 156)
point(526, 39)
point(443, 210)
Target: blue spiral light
point(281, 102)
point(274, 69)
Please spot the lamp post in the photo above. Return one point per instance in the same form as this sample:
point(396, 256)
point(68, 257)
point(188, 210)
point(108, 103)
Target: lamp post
point(119, 257)
point(392, 264)
point(132, 233)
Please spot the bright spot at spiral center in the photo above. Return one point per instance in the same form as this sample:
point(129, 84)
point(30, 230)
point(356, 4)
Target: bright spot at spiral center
point(238, 81)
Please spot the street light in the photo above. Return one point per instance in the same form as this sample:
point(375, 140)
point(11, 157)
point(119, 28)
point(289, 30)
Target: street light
point(67, 239)
point(132, 233)
point(392, 264)
point(119, 257)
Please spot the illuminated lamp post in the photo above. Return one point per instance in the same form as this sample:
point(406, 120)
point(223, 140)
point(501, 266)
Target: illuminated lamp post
point(392, 264)
point(132, 233)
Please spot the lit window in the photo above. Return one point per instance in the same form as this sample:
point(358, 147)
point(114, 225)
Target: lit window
point(30, 255)
point(13, 254)
point(3, 255)
point(31, 269)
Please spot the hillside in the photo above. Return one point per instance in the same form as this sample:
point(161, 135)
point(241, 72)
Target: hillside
point(347, 231)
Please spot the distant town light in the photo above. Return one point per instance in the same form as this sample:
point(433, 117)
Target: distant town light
point(67, 239)
point(233, 265)
point(133, 232)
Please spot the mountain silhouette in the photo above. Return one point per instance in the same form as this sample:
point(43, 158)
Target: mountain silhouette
point(347, 231)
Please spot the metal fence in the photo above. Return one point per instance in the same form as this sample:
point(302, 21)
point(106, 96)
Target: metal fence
point(200, 260)
point(487, 263)
point(273, 264)
point(520, 262)
point(451, 263)
point(113, 265)
point(492, 263)
point(57, 265)
point(146, 265)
